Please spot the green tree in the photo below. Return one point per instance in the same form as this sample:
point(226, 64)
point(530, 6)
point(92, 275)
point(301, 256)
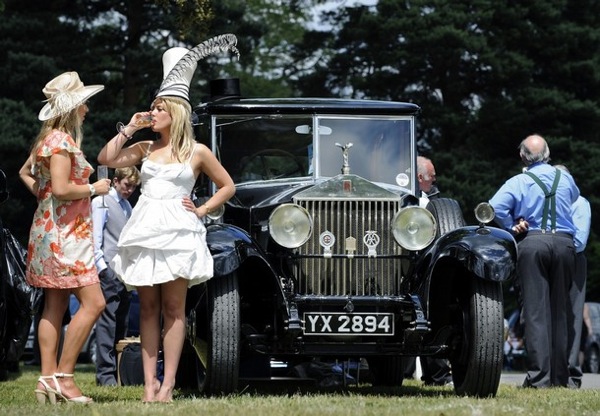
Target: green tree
point(115, 43)
point(119, 44)
point(486, 74)
point(270, 32)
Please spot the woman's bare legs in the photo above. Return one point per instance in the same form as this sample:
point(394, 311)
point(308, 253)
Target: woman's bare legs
point(150, 336)
point(91, 305)
point(49, 331)
point(173, 309)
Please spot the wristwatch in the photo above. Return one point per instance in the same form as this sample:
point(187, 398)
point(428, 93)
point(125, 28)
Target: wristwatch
point(92, 189)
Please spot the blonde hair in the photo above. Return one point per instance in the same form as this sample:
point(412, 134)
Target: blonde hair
point(69, 123)
point(182, 136)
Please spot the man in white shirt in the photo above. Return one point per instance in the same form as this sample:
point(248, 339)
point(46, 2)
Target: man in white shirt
point(109, 215)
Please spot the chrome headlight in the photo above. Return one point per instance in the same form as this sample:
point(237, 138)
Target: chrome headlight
point(414, 228)
point(216, 213)
point(484, 213)
point(290, 225)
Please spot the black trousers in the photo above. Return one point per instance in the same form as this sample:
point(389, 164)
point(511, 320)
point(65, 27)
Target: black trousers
point(111, 327)
point(546, 266)
point(577, 297)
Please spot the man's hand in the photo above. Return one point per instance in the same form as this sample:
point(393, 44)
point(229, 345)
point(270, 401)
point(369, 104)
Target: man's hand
point(521, 226)
point(107, 273)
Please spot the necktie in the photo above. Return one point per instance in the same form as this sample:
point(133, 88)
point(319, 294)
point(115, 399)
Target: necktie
point(125, 206)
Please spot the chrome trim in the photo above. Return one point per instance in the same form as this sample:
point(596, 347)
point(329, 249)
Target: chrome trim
point(345, 273)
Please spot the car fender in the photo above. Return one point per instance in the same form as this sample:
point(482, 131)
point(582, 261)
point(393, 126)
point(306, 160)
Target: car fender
point(230, 247)
point(489, 253)
point(233, 249)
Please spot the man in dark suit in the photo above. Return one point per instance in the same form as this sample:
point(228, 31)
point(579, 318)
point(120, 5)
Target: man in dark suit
point(435, 371)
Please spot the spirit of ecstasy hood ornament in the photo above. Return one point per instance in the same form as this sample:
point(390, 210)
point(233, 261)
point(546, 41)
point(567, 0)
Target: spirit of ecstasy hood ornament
point(345, 166)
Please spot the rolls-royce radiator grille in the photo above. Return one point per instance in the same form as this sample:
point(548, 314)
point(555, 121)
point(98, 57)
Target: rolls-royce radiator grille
point(359, 260)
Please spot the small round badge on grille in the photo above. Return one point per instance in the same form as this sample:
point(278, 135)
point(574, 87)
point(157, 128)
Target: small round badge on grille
point(327, 240)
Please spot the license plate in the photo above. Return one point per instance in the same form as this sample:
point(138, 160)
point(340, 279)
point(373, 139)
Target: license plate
point(348, 324)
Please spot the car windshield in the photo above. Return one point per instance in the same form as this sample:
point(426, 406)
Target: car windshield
point(261, 148)
point(381, 148)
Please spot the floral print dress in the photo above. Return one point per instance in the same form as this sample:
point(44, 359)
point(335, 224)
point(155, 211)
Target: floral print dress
point(60, 252)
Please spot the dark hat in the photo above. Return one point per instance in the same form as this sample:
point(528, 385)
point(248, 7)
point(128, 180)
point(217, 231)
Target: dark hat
point(224, 88)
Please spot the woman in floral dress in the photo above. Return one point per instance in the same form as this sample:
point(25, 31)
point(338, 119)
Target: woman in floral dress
point(60, 255)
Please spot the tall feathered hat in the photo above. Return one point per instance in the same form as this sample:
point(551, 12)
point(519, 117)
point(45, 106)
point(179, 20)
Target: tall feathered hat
point(179, 64)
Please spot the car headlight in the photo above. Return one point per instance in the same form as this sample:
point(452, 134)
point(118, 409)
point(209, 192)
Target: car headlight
point(216, 213)
point(414, 228)
point(290, 225)
point(484, 212)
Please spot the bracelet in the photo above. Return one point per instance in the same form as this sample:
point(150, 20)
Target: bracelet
point(207, 208)
point(92, 189)
point(121, 130)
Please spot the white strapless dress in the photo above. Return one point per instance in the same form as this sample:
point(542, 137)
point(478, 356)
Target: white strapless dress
point(162, 241)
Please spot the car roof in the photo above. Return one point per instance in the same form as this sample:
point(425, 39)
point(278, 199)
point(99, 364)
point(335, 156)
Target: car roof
point(307, 106)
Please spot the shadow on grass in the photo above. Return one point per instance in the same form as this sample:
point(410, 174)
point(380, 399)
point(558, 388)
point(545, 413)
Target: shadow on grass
point(307, 387)
point(282, 387)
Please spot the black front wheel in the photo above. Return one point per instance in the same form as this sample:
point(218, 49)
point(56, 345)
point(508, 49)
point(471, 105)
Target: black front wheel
point(217, 338)
point(477, 354)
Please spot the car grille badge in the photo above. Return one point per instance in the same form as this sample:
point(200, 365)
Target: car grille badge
point(350, 246)
point(371, 240)
point(327, 240)
point(347, 186)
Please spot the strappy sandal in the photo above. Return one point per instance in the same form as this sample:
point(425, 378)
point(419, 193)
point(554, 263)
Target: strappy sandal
point(61, 396)
point(47, 393)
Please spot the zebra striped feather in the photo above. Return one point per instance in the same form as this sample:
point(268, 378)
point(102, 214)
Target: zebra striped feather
point(220, 43)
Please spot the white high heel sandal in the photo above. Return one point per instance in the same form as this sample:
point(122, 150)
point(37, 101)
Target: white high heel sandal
point(47, 392)
point(79, 399)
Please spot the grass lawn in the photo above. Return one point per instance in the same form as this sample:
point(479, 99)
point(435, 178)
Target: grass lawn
point(16, 398)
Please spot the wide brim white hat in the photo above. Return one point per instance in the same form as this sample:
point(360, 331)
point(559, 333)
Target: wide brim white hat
point(64, 93)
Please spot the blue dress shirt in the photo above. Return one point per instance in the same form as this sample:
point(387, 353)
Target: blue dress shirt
point(521, 197)
point(582, 217)
point(99, 218)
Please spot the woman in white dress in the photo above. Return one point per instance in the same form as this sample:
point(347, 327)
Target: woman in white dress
point(162, 249)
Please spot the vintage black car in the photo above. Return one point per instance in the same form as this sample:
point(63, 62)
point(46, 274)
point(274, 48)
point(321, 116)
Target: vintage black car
point(325, 253)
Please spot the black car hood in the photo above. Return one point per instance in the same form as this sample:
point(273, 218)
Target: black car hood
point(267, 193)
point(261, 194)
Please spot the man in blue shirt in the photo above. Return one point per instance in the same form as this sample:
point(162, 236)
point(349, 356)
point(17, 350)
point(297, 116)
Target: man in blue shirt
point(536, 206)
point(582, 218)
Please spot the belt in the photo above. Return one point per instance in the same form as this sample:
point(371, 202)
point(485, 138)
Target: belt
point(556, 233)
